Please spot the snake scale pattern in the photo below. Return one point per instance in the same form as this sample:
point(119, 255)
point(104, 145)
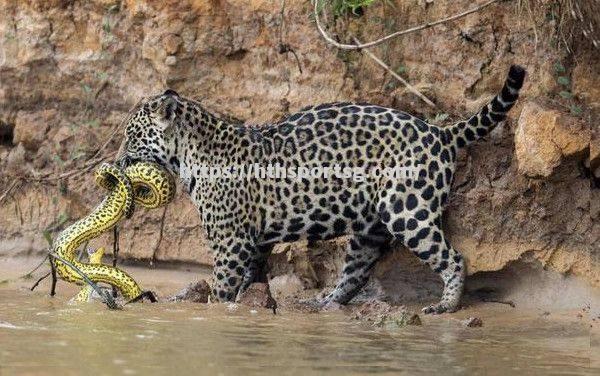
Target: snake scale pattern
point(145, 184)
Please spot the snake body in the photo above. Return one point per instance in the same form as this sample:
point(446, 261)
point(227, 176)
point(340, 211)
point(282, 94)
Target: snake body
point(87, 292)
point(143, 183)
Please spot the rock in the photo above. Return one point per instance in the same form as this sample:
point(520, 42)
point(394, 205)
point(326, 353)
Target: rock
point(62, 137)
point(72, 142)
point(384, 315)
point(15, 162)
point(472, 322)
point(258, 295)
point(197, 292)
point(286, 285)
point(316, 264)
point(31, 127)
point(43, 156)
point(171, 43)
point(371, 308)
point(543, 137)
point(586, 84)
point(170, 60)
point(397, 320)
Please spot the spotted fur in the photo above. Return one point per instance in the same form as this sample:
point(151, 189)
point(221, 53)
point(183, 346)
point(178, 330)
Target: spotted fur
point(243, 219)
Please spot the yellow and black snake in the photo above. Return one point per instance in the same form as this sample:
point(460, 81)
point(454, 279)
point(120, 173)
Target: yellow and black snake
point(143, 183)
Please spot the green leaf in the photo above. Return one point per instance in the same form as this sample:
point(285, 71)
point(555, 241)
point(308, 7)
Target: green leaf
point(62, 218)
point(58, 160)
point(390, 85)
point(559, 68)
point(576, 110)
point(342, 7)
point(566, 94)
point(320, 5)
point(106, 26)
point(94, 123)
point(563, 80)
point(401, 69)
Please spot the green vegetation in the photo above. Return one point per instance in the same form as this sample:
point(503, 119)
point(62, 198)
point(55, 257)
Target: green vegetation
point(565, 91)
point(343, 7)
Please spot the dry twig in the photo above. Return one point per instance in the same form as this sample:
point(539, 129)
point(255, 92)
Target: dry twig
point(410, 88)
point(160, 236)
point(108, 299)
point(284, 48)
point(397, 33)
point(40, 280)
point(507, 302)
point(28, 275)
point(10, 188)
point(54, 277)
point(116, 249)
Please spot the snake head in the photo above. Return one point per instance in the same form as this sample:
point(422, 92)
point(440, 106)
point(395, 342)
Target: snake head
point(96, 256)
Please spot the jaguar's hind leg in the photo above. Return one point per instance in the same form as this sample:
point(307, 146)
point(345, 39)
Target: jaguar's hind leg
point(435, 250)
point(427, 242)
point(414, 219)
point(361, 255)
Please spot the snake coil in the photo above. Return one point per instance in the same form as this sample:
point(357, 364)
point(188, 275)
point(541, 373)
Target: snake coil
point(143, 183)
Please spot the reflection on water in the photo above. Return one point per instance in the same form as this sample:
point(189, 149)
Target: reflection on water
point(42, 335)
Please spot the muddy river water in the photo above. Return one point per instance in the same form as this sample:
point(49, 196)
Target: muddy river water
point(40, 335)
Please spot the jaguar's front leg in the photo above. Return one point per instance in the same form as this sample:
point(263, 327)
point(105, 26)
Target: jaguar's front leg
point(235, 268)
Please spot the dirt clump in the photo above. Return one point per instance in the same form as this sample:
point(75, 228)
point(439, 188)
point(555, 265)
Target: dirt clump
point(195, 292)
point(384, 315)
point(258, 295)
point(472, 322)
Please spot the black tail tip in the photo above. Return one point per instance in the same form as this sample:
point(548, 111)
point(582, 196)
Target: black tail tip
point(517, 76)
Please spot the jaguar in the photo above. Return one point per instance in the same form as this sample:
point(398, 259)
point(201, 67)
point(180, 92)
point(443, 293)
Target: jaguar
point(244, 216)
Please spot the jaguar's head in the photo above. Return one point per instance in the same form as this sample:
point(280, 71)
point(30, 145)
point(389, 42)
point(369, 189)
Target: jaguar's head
point(150, 131)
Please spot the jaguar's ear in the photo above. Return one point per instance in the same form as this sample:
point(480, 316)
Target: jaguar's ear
point(165, 112)
point(170, 92)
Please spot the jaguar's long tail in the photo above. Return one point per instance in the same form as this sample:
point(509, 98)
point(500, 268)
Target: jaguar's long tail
point(482, 123)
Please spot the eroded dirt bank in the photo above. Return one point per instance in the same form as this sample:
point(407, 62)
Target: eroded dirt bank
point(70, 71)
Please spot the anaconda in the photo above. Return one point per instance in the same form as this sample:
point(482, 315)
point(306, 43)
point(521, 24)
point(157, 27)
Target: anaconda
point(87, 292)
point(143, 183)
